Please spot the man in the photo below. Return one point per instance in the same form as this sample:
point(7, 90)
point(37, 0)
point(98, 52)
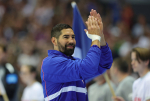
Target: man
point(120, 76)
point(63, 75)
point(141, 64)
point(100, 91)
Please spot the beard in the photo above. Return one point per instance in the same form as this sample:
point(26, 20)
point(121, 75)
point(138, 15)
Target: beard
point(66, 51)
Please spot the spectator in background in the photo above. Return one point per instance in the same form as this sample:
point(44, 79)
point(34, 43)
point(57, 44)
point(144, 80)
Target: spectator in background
point(120, 76)
point(34, 90)
point(140, 63)
point(100, 91)
point(8, 75)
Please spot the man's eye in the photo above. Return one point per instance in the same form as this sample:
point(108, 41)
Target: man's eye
point(66, 37)
point(73, 37)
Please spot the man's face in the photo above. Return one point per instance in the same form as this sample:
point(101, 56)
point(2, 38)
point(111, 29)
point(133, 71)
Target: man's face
point(67, 42)
point(137, 67)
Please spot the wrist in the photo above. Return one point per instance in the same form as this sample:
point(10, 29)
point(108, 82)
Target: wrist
point(93, 37)
point(103, 42)
point(96, 42)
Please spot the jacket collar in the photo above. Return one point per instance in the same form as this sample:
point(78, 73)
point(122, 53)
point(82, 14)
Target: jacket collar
point(55, 52)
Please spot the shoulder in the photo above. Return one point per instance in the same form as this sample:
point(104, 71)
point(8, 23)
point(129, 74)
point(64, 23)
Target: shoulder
point(52, 61)
point(37, 84)
point(130, 79)
point(146, 79)
point(136, 82)
point(37, 87)
point(126, 83)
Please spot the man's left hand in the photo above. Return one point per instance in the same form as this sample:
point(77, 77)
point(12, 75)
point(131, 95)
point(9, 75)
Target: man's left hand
point(99, 20)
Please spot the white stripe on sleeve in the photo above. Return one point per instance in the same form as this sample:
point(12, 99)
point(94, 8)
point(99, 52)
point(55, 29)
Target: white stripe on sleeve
point(66, 89)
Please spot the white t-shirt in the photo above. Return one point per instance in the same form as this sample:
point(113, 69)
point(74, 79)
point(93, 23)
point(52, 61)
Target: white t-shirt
point(33, 92)
point(141, 88)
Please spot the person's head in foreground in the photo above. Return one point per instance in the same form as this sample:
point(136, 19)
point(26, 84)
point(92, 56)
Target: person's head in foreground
point(28, 74)
point(140, 60)
point(119, 70)
point(63, 39)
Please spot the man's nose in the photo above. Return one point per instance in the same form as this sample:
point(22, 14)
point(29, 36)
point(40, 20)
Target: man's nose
point(71, 40)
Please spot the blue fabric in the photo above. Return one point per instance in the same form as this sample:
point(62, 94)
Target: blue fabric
point(59, 71)
point(82, 41)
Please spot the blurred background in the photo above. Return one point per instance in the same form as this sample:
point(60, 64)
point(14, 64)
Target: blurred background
point(25, 27)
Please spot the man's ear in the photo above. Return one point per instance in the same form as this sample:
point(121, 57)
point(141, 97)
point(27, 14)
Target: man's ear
point(54, 41)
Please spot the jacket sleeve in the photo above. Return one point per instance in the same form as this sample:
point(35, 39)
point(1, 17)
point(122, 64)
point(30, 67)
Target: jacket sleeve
point(106, 59)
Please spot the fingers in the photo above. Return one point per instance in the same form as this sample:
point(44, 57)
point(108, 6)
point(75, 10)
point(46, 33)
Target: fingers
point(96, 24)
point(92, 22)
point(87, 23)
point(96, 15)
point(93, 13)
point(92, 25)
point(99, 17)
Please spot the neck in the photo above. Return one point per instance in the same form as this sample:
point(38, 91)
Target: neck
point(144, 72)
point(122, 76)
point(56, 48)
point(31, 83)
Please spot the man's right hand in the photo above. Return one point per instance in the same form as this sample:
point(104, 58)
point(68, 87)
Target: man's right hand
point(93, 29)
point(100, 23)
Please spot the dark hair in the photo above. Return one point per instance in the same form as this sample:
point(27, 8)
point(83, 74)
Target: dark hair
point(121, 65)
point(3, 47)
point(142, 54)
point(33, 69)
point(56, 30)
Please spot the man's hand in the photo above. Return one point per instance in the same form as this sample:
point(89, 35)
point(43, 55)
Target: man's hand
point(99, 19)
point(93, 30)
point(100, 23)
point(93, 27)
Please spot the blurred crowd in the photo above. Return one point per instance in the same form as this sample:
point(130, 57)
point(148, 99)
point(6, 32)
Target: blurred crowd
point(25, 27)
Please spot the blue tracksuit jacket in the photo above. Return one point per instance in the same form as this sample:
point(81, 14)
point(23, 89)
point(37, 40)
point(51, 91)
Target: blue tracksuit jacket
point(63, 77)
